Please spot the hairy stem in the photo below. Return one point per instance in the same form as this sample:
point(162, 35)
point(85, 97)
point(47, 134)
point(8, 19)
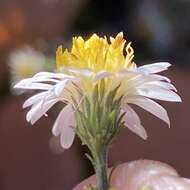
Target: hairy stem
point(100, 166)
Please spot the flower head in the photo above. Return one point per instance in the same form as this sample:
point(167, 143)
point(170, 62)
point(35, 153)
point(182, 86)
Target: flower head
point(25, 62)
point(97, 80)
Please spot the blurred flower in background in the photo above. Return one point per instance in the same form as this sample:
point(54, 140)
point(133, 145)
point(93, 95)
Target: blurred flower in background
point(25, 62)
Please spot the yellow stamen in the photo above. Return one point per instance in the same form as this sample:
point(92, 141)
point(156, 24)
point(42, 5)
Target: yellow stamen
point(97, 54)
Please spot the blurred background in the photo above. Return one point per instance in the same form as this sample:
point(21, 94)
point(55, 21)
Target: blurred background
point(30, 31)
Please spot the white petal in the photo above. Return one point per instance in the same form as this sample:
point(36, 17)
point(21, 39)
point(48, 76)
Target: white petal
point(63, 126)
point(60, 87)
point(160, 77)
point(84, 72)
point(42, 79)
point(52, 75)
point(100, 75)
point(154, 68)
point(132, 121)
point(38, 110)
point(150, 106)
point(159, 93)
point(125, 73)
point(132, 75)
point(166, 85)
point(38, 86)
point(67, 137)
point(34, 99)
point(29, 84)
point(135, 79)
point(135, 82)
point(132, 79)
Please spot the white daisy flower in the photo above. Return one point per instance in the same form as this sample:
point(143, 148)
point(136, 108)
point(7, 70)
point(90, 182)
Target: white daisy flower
point(83, 69)
point(25, 62)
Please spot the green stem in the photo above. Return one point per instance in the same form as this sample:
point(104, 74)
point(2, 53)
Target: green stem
point(101, 169)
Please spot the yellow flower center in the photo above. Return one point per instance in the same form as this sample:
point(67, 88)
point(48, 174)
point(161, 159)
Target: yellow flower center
point(97, 54)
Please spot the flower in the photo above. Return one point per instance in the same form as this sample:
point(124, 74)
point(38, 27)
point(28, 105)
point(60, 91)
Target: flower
point(25, 62)
point(97, 80)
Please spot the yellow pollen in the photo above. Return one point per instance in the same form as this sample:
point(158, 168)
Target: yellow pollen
point(96, 54)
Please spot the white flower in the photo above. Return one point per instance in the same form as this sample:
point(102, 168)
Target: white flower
point(25, 62)
point(138, 85)
point(142, 84)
